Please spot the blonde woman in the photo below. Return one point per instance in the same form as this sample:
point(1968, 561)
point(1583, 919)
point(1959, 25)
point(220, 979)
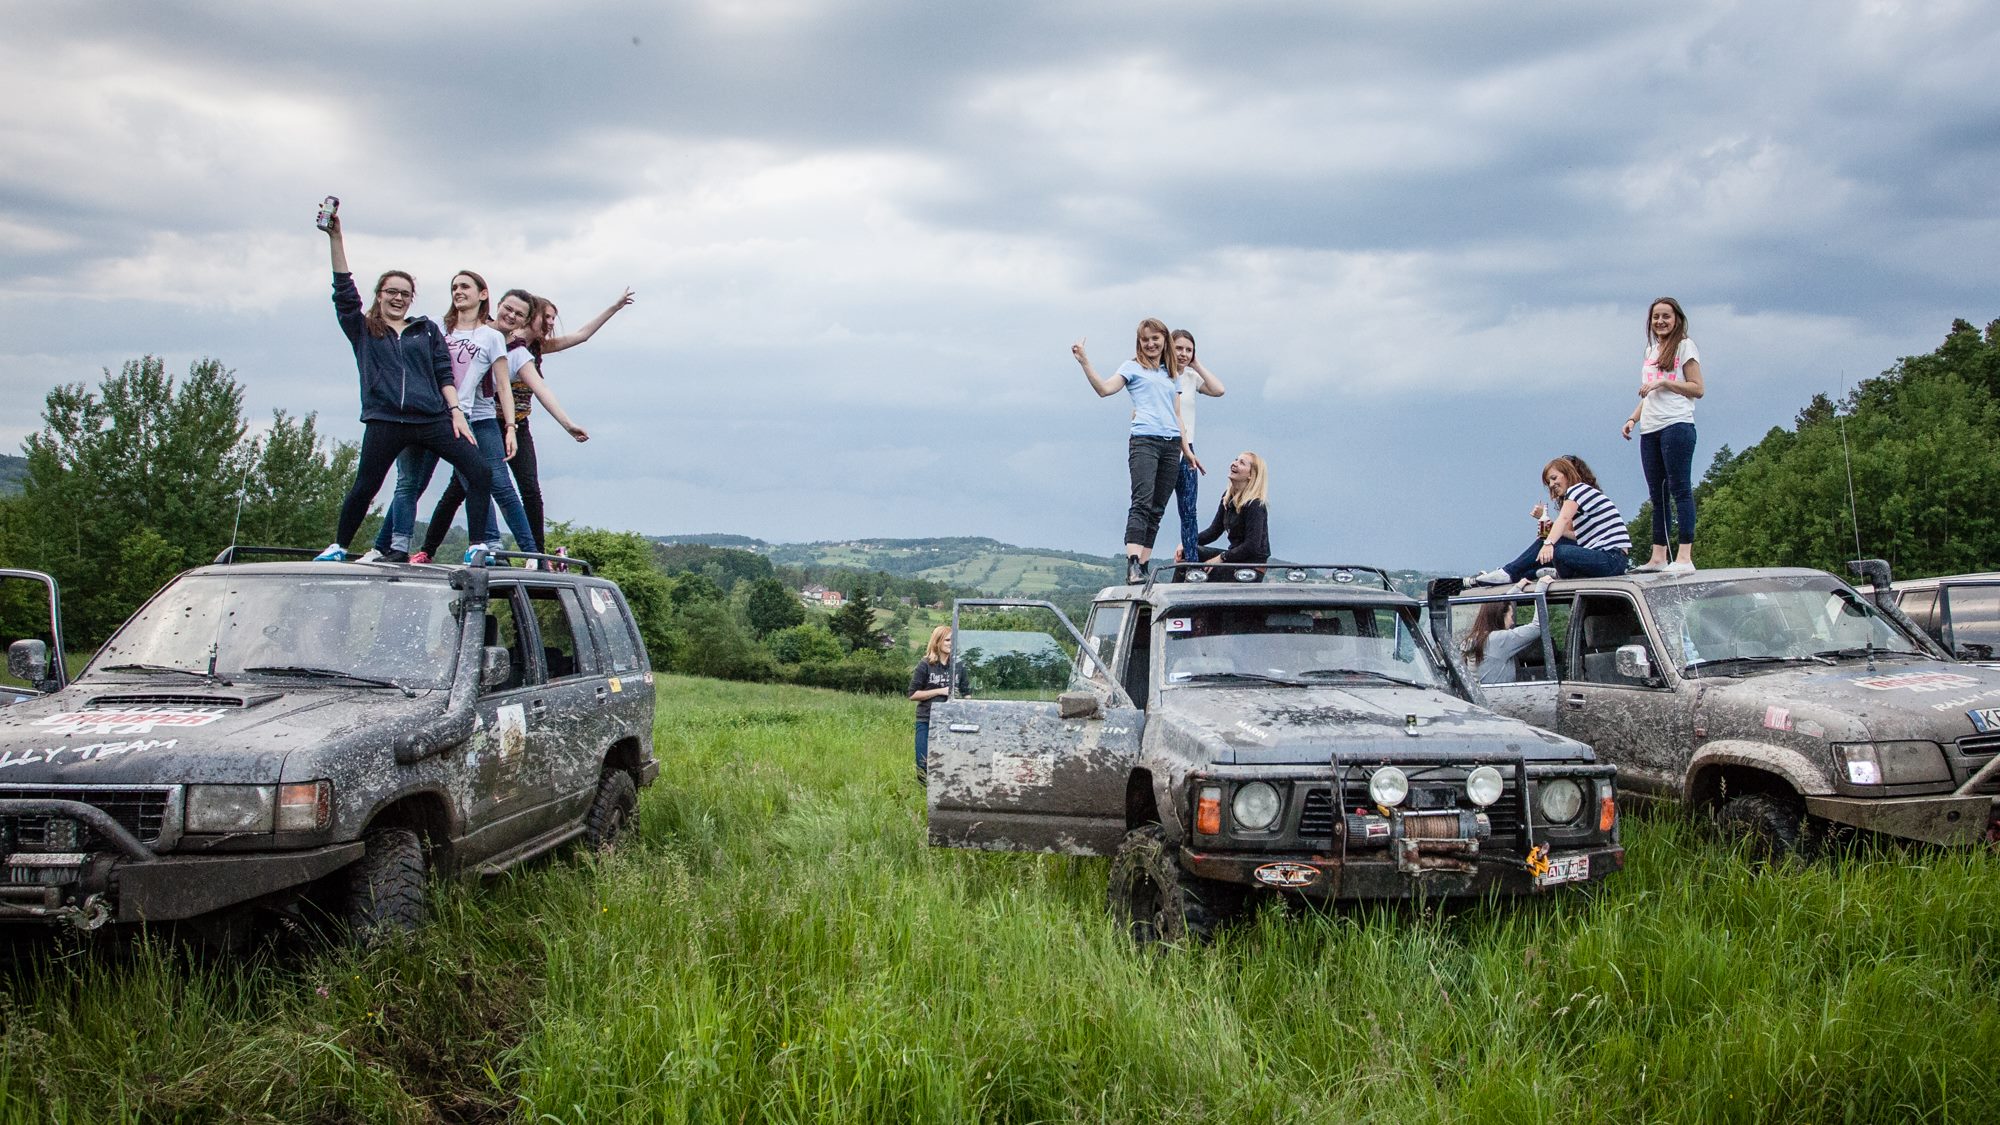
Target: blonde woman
point(1243, 513)
point(1156, 445)
point(930, 682)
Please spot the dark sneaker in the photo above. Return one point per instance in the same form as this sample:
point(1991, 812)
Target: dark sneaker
point(394, 557)
point(1135, 572)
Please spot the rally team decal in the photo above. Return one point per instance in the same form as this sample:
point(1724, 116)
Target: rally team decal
point(129, 720)
point(1917, 681)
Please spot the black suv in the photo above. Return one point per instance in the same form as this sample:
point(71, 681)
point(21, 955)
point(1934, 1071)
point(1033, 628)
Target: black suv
point(1292, 735)
point(267, 734)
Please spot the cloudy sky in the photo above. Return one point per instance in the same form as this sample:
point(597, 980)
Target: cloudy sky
point(1416, 241)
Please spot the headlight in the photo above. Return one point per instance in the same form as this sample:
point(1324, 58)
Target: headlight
point(229, 808)
point(1891, 763)
point(305, 807)
point(1255, 807)
point(1388, 786)
point(1484, 786)
point(1560, 800)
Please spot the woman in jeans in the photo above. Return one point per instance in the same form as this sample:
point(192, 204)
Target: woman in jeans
point(1244, 514)
point(1586, 539)
point(1669, 382)
point(408, 397)
point(930, 682)
point(1154, 449)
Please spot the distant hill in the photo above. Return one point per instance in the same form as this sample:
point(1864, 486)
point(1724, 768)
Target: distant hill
point(717, 539)
point(13, 470)
point(987, 565)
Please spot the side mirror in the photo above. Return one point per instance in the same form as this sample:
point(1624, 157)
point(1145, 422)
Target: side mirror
point(495, 666)
point(1632, 663)
point(1078, 705)
point(29, 661)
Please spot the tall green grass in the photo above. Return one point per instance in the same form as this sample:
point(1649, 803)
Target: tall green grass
point(781, 945)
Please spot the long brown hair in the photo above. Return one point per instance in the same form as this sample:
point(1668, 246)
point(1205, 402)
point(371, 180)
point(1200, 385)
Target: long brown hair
point(485, 310)
point(939, 636)
point(1492, 616)
point(1167, 360)
point(1670, 344)
point(1583, 472)
point(1570, 473)
point(378, 326)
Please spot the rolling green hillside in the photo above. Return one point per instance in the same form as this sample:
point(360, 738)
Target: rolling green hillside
point(987, 565)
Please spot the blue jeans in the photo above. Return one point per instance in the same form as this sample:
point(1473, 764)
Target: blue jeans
point(493, 445)
point(1571, 561)
point(1184, 495)
point(414, 467)
point(1667, 455)
point(923, 744)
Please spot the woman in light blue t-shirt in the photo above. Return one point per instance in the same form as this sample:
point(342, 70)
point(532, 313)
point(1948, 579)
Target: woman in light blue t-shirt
point(1154, 450)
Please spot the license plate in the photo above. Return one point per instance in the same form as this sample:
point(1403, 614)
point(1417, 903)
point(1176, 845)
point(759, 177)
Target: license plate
point(1568, 869)
point(1986, 720)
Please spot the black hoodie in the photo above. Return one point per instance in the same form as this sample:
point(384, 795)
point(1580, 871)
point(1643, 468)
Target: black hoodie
point(402, 377)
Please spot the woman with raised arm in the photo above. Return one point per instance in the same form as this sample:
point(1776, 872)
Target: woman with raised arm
point(1586, 539)
point(1154, 449)
point(1669, 382)
point(1244, 513)
point(408, 396)
point(1494, 646)
point(525, 319)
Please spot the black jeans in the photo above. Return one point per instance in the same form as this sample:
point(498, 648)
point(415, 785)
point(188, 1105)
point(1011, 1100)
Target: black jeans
point(526, 479)
point(381, 442)
point(1155, 464)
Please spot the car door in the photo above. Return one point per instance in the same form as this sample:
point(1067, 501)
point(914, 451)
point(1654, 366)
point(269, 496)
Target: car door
point(566, 737)
point(1530, 694)
point(1638, 723)
point(1033, 751)
point(1968, 620)
point(497, 754)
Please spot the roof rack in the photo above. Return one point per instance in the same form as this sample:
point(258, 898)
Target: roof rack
point(1336, 574)
point(479, 556)
point(236, 553)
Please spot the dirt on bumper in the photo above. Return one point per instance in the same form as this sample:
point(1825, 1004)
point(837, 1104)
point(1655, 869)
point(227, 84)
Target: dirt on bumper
point(1376, 874)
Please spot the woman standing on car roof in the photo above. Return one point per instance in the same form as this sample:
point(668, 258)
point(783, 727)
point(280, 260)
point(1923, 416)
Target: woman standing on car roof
point(1586, 539)
point(1669, 382)
point(1194, 380)
point(1155, 447)
point(408, 396)
point(529, 338)
point(479, 369)
point(1244, 513)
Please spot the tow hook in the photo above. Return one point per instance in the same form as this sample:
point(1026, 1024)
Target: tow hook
point(92, 913)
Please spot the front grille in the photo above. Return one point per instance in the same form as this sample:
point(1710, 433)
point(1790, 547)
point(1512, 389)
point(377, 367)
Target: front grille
point(140, 811)
point(1979, 748)
point(1319, 814)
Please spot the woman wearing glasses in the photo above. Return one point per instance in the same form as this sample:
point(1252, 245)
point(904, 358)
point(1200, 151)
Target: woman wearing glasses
point(408, 396)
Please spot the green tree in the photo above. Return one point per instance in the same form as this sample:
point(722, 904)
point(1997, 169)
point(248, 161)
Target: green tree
point(771, 607)
point(626, 558)
point(854, 622)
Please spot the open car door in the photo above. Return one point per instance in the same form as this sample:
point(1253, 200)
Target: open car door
point(1032, 750)
point(31, 630)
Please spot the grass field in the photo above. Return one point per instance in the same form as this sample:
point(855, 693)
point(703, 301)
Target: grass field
point(781, 945)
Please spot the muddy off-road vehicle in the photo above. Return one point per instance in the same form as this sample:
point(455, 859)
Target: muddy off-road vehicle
point(316, 737)
point(1780, 701)
point(1299, 735)
point(1961, 612)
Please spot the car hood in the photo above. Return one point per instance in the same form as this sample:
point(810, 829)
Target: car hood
point(1307, 725)
point(140, 734)
point(1902, 698)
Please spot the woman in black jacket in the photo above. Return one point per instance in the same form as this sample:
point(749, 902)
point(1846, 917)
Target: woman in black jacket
point(1243, 514)
point(408, 397)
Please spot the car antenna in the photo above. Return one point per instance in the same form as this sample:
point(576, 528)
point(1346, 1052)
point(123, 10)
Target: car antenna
point(242, 487)
point(1853, 509)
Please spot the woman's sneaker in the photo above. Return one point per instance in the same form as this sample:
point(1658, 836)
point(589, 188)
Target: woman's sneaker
point(1490, 578)
point(1678, 567)
point(420, 557)
point(334, 553)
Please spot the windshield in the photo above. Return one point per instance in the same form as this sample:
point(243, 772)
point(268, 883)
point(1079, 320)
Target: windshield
point(1296, 645)
point(377, 628)
point(1769, 620)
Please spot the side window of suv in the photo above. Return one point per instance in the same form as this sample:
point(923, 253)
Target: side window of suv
point(503, 627)
point(1609, 622)
point(1101, 633)
point(614, 629)
point(566, 648)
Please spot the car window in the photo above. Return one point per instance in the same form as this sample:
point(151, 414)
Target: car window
point(1101, 634)
point(1501, 641)
point(566, 649)
point(1012, 652)
point(1295, 644)
point(1609, 622)
point(1975, 621)
point(1920, 606)
point(503, 627)
point(614, 629)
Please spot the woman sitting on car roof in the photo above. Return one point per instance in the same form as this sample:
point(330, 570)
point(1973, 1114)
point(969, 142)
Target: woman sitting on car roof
point(1244, 514)
point(1586, 539)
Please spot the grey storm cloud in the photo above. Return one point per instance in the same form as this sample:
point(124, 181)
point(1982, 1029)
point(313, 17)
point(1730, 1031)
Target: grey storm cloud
point(1416, 240)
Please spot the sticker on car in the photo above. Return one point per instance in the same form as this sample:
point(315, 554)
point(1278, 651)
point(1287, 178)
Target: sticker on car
point(1288, 875)
point(1565, 869)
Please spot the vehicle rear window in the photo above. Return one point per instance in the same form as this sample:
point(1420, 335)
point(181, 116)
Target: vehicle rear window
point(614, 628)
point(566, 648)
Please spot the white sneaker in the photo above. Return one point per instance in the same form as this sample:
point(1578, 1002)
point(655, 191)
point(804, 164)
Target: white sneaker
point(333, 553)
point(372, 555)
point(1678, 567)
point(1490, 578)
point(1647, 568)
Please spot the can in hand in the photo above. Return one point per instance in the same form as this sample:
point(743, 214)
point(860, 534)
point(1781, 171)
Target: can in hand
point(328, 208)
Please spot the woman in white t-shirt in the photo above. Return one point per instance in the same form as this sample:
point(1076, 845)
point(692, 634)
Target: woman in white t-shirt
point(1154, 449)
point(1669, 382)
point(1194, 379)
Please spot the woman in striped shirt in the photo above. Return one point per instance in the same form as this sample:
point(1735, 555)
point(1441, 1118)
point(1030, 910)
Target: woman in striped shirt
point(1586, 540)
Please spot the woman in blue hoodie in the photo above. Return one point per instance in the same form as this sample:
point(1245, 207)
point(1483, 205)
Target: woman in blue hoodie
point(408, 397)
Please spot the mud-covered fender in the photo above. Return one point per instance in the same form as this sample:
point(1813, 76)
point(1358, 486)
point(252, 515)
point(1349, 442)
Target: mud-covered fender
point(1805, 776)
point(1168, 808)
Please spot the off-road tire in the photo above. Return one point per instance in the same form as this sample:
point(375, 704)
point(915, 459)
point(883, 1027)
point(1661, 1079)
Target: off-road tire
point(1158, 903)
point(1774, 828)
point(385, 891)
point(610, 815)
